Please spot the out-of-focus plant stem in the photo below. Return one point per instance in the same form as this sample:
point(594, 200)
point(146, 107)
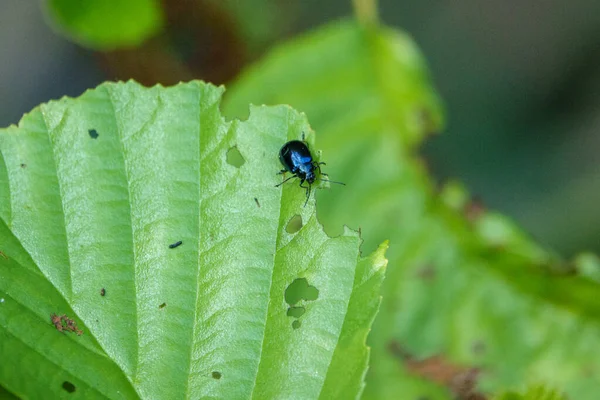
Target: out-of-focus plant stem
point(366, 12)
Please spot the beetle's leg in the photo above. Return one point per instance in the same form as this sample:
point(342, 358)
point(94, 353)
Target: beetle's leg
point(291, 177)
point(283, 171)
point(317, 165)
point(307, 195)
point(307, 191)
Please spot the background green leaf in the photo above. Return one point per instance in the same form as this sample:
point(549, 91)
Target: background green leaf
point(95, 189)
point(107, 24)
point(533, 393)
point(465, 289)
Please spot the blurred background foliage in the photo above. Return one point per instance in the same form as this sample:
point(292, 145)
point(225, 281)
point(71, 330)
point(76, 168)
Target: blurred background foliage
point(521, 84)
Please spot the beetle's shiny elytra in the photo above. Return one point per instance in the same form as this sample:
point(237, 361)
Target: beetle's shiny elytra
point(296, 158)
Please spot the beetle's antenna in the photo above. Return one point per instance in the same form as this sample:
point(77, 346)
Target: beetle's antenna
point(327, 180)
point(291, 177)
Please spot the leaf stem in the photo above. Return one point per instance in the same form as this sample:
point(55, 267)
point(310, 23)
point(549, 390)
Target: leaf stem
point(366, 12)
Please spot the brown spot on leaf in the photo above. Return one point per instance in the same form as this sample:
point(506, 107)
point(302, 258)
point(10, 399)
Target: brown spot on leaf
point(62, 323)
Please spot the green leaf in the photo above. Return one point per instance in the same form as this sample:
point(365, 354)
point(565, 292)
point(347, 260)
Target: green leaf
point(538, 392)
point(463, 284)
point(96, 191)
point(107, 24)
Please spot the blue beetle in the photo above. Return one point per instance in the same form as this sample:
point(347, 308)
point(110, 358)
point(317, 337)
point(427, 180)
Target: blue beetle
point(296, 158)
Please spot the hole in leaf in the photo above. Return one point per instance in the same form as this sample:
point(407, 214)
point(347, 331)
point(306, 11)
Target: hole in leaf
point(296, 312)
point(300, 290)
point(216, 375)
point(234, 157)
point(294, 224)
point(93, 133)
point(163, 305)
point(68, 386)
point(296, 324)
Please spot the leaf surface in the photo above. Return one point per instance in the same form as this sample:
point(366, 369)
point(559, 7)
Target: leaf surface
point(464, 285)
point(96, 194)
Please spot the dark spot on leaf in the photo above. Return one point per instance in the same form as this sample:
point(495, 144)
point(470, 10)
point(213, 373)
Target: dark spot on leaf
point(296, 324)
point(478, 347)
point(296, 312)
point(426, 272)
point(102, 292)
point(23, 165)
point(93, 133)
point(163, 305)
point(216, 375)
point(257, 203)
point(176, 244)
point(68, 386)
point(234, 157)
point(294, 224)
point(298, 290)
point(3, 255)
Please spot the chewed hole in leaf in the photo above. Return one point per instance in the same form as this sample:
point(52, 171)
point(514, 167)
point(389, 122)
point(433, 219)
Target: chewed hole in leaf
point(93, 133)
point(68, 386)
point(294, 224)
point(296, 312)
point(296, 324)
point(163, 305)
point(216, 375)
point(234, 157)
point(298, 290)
